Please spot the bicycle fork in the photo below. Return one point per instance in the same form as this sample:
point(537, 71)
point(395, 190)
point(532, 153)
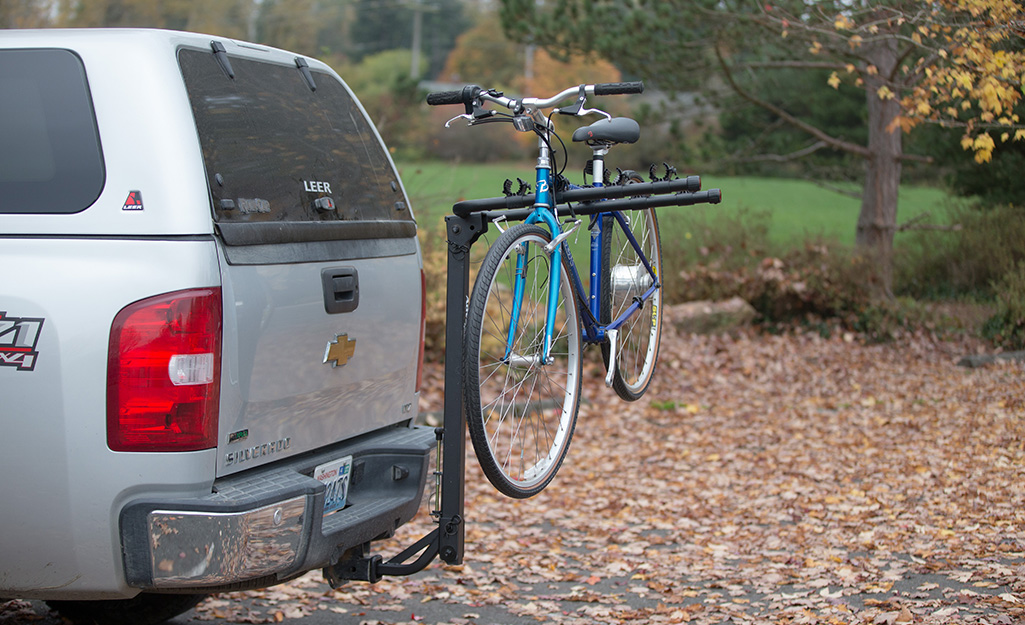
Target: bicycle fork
point(553, 250)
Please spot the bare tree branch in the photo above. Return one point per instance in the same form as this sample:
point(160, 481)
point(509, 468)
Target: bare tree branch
point(915, 224)
point(916, 158)
point(835, 189)
point(839, 144)
point(795, 64)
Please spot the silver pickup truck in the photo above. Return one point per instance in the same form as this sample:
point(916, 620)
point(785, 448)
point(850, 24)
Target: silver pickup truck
point(211, 322)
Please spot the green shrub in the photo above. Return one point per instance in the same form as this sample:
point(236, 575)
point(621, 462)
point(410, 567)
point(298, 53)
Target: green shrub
point(709, 254)
point(963, 262)
point(434, 247)
point(820, 280)
point(1007, 327)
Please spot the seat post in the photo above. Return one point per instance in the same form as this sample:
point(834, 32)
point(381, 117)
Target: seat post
point(598, 153)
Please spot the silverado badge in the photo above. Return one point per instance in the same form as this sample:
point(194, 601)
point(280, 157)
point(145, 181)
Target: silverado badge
point(339, 350)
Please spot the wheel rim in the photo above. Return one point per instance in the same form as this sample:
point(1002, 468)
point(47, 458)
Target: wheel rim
point(528, 407)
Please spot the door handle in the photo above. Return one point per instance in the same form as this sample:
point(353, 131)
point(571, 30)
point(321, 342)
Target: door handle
point(341, 289)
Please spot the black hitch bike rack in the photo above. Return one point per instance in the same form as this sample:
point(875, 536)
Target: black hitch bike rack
point(468, 222)
point(445, 540)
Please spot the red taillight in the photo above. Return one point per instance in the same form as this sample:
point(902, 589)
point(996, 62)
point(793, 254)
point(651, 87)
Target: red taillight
point(423, 329)
point(163, 373)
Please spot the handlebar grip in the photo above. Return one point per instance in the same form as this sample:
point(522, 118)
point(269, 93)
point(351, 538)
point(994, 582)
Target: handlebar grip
point(465, 96)
point(615, 88)
point(445, 97)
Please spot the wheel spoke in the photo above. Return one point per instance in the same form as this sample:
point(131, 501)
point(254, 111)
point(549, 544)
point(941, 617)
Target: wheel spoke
point(628, 279)
point(521, 411)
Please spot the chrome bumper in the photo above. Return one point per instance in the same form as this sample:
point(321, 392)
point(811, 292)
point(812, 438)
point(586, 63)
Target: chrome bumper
point(222, 548)
point(268, 524)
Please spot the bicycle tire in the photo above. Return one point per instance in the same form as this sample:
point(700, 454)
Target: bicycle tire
point(521, 412)
point(623, 279)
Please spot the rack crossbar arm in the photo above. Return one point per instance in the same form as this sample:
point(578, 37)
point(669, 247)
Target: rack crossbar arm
point(587, 194)
point(711, 196)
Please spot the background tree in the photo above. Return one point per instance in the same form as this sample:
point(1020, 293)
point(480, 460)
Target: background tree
point(947, 62)
point(483, 55)
point(227, 18)
point(380, 25)
point(289, 24)
point(26, 13)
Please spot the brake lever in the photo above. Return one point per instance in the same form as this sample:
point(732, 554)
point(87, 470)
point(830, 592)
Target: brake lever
point(577, 108)
point(590, 111)
point(448, 124)
point(481, 117)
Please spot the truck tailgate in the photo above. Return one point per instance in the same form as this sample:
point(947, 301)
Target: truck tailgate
point(292, 387)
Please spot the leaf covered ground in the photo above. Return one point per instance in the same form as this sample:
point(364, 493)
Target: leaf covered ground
point(763, 479)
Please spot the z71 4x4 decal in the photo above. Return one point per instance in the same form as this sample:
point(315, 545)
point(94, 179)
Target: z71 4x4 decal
point(18, 338)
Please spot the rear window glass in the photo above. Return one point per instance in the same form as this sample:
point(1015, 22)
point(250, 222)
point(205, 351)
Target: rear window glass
point(276, 150)
point(50, 156)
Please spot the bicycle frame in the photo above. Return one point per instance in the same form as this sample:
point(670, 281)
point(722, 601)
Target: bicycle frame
point(589, 301)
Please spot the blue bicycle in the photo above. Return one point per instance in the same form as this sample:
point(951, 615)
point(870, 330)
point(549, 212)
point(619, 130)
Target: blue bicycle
point(529, 315)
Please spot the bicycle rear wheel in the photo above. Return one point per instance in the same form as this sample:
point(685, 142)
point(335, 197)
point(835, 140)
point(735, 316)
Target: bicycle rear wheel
point(625, 280)
point(521, 411)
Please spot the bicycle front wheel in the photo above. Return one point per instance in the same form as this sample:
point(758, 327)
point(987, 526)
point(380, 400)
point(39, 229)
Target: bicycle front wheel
point(625, 280)
point(520, 408)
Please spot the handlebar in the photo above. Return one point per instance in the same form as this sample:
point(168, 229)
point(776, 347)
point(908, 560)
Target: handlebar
point(470, 93)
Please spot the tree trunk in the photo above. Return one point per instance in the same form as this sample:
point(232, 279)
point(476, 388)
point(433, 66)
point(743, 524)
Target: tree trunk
point(877, 221)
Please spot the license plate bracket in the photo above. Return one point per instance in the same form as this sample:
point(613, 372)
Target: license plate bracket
point(334, 476)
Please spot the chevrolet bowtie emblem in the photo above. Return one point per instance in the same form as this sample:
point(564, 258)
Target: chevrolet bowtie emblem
point(339, 350)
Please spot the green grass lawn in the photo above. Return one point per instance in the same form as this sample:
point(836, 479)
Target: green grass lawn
point(795, 209)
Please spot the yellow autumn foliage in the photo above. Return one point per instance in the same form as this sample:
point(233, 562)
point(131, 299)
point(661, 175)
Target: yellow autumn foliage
point(966, 76)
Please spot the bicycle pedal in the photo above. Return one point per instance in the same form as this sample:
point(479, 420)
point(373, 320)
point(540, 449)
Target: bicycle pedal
point(507, 188)
point(613, 336)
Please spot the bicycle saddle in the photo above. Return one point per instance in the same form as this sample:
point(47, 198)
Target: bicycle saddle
point(609, 131)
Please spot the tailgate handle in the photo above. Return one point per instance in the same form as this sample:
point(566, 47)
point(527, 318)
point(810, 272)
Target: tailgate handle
point(341, 289)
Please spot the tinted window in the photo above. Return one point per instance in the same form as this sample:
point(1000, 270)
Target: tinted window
point(50, 157)
point(275, 149)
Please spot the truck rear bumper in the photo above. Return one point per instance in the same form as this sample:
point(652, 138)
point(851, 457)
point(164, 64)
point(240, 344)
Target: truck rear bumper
point(262, 526)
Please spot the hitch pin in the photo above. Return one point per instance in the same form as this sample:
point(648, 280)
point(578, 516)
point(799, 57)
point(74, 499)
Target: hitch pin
point(439, 435)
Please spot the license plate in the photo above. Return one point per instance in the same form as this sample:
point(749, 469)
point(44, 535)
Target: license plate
point(335, 476)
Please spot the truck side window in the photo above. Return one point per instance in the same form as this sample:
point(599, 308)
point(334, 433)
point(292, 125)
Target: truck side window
point(51, 160)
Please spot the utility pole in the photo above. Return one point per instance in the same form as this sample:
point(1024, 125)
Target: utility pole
point(418, 26)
